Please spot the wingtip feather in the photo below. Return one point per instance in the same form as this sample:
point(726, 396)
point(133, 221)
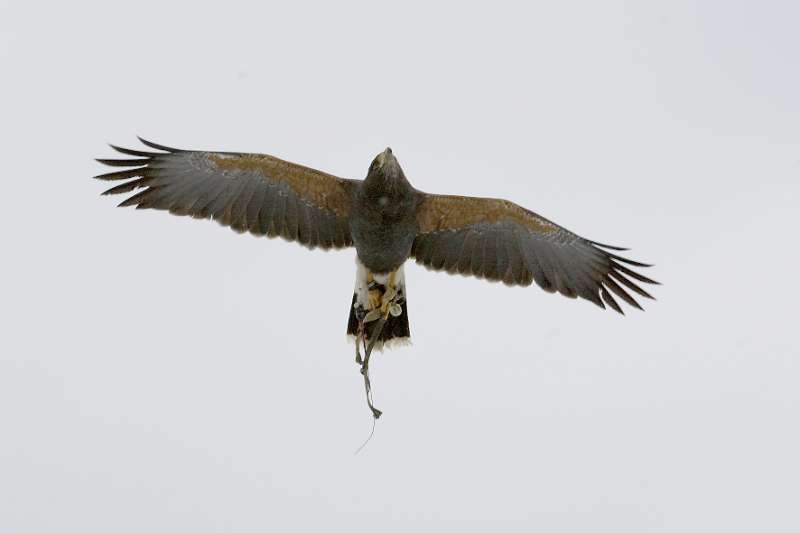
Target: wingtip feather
point(123, 162)
point(607, 298)
point(157, 146)
point(135, 153)
point(609, 246)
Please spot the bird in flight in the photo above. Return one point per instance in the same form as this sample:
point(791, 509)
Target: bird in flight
point(387, 220)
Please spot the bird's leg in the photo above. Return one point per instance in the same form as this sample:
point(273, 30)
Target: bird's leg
point(374, 292)
point(375, 298)
point(389, 294)
point(373, 302)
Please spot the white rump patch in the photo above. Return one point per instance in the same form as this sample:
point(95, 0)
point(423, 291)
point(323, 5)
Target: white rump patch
point(362, 285)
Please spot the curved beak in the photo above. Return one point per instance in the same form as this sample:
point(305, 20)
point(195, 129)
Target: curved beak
point(384, 157)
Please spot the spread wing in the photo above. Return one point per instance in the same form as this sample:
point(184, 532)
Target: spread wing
point(248, 192)
point(499, 240)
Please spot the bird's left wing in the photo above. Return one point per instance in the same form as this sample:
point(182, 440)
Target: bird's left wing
point(499, 240)
point(248, 192)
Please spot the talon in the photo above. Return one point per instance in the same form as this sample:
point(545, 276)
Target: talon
point(388, 301)
point(375, 299)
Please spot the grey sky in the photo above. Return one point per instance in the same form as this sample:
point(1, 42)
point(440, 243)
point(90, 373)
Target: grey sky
point(164, 374)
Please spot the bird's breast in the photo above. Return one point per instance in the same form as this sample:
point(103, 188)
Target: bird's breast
point(382, 237)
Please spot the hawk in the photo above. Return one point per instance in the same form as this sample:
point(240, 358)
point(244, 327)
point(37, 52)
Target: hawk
point(386, 220)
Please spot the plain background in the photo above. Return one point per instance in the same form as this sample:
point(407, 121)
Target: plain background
point(166, 374)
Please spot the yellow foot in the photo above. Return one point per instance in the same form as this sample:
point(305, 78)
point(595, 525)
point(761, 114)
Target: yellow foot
point(382, 300)
point(389, 295)
point(375, 297)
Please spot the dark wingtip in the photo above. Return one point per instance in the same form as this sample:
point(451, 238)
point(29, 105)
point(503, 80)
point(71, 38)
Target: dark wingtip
point(128, 151)
point(123, 162)
point(121, 174)
point(126, 187)
point(630, 261)
point(157, 146)
point(619, 291)
point(610, 301)
point(629, 284)
point(632, 274)
point(609, 246)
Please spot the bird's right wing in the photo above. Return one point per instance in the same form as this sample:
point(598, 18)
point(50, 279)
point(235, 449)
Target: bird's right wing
point(499, 240)
point(248, 192)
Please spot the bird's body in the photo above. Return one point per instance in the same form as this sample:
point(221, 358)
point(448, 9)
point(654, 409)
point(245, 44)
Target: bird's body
point(386, 219)
point(384, 224)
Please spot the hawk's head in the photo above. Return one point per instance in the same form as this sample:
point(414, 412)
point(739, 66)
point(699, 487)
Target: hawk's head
point(385, 168)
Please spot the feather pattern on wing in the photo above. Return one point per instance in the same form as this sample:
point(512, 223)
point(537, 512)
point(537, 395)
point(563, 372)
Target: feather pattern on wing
point(256, 193)
point(501, 241)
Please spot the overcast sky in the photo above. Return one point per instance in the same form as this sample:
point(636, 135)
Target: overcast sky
point(167, 374)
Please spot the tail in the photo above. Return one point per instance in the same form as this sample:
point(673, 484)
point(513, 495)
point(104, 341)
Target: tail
point(395, 331)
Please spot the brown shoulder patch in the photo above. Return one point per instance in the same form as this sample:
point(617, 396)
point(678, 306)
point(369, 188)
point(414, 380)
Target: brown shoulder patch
point(437, 213)
point(323, 190)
